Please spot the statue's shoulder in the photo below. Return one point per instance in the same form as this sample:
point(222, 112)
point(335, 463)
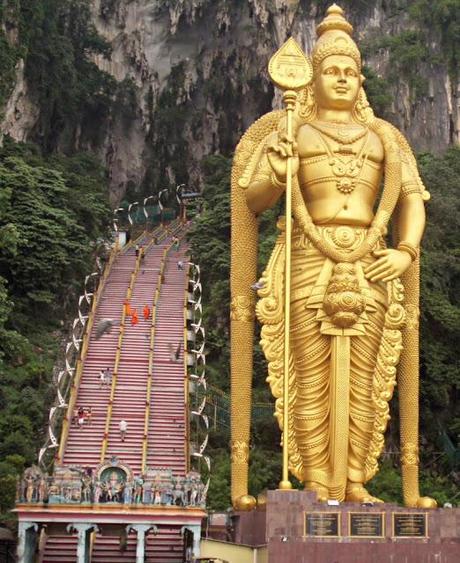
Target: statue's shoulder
point(375, 150)
point(249, 150)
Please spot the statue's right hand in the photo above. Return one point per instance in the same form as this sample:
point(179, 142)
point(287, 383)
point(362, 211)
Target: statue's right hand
point(278, 155)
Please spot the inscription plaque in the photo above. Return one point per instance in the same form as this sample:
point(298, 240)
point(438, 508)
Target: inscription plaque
point(322, 524)
point(366, 524)
point(410, 525)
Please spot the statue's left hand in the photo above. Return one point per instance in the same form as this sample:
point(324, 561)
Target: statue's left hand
point(391, 264)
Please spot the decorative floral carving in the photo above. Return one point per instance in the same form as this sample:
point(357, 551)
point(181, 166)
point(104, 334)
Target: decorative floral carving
point(240, 451)
point(409, 454)
point(242, 308)
point(412, 317)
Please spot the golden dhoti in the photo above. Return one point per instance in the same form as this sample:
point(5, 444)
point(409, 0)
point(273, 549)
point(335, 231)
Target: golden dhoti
point(340, 378)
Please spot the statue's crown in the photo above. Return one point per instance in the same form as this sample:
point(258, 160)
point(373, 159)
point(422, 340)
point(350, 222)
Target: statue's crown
point(334, 37)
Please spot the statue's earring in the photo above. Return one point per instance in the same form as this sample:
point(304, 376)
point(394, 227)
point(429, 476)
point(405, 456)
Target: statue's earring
point(308, 103)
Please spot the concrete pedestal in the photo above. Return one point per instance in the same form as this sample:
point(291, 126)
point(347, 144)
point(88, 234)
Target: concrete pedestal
point(297, 529)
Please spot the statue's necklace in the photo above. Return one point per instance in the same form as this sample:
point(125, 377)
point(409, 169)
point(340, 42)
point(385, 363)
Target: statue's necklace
point(347, 173)
point(338, 133)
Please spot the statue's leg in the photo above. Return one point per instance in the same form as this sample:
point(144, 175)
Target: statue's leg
point(363, 357)
point(311, 352)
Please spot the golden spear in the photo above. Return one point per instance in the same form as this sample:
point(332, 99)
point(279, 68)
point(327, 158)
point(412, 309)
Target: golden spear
point(290, 70)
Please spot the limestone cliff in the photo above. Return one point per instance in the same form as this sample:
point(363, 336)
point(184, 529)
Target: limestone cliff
point(198, 72)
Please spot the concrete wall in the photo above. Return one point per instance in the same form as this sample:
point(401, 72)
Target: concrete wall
point(232, 553)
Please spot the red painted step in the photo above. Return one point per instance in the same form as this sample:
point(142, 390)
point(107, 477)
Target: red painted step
point(60, 549)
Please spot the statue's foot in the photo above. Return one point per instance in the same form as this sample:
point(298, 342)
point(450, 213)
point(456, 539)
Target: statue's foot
point(422, 502)
point(322, 493)
point(244, 502)
point(426, 502)
point(357, 493)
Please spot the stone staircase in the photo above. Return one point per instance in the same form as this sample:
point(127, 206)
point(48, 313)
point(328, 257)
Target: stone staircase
point(84, 444)
point(167, 426)
point(167, 423)
point(60, 549)
point(106, 549)
point(131, 392)
point(165, 547)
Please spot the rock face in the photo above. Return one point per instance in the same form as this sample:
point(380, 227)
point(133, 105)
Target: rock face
point(199, 73)
point(20, 113)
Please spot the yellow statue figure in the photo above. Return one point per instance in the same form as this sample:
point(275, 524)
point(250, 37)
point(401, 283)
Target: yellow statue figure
point(353, 301)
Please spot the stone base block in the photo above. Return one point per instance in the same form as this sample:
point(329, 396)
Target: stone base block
point(300, 530)
point(297, 529)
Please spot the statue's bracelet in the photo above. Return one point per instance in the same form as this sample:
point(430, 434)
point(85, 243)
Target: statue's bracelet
point(409, 248)
point(276, 183)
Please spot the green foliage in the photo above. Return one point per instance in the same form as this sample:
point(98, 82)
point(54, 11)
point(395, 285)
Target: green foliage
point(432, 36)
point(7, 494)
point(440, 293)
point(408, 51)
point(210, 238)
point(443, 19)
point(52, 244)
point(168, 120)
point(10, 53)
point(378, 92)
point(387, 485)
point(219, 486)
point(52, 210)
point(58, 41)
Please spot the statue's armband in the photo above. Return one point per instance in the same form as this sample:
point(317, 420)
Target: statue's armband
point(257, 167)
point(410, 181)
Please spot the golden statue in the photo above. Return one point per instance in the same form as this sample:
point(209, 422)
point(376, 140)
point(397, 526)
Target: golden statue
point(351, 304)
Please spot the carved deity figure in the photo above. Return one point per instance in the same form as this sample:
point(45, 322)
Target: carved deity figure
point(30, 488)
point(138, 489)
point(353, 293)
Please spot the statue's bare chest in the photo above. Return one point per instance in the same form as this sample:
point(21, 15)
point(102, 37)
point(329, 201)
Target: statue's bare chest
point(344, 156)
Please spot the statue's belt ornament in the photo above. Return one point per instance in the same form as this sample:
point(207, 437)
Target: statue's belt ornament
point(344, 302)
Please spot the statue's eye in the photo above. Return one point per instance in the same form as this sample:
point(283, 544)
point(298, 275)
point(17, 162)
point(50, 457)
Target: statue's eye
point(329, 71)
point(351, 72)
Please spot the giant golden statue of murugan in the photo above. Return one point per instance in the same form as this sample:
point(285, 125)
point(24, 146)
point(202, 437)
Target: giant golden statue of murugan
point(353, 301)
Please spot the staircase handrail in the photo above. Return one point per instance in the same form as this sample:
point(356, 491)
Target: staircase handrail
point(186, 378)
point(82, 356)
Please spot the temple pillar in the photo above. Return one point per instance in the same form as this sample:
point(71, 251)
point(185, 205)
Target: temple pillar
point(27, 541)
point(195, 529)
point(83, 530)
point(141, 530)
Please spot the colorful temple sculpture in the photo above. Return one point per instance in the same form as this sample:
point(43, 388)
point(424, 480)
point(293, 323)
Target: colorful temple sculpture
point(125, 482)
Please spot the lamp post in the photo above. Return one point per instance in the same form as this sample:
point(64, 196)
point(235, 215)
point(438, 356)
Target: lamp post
point(160, 205)
point(145, 208)
point(130, 206)
point(115, 225)
point(180, 202)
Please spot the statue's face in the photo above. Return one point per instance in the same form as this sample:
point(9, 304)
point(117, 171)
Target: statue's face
point(337, 83)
